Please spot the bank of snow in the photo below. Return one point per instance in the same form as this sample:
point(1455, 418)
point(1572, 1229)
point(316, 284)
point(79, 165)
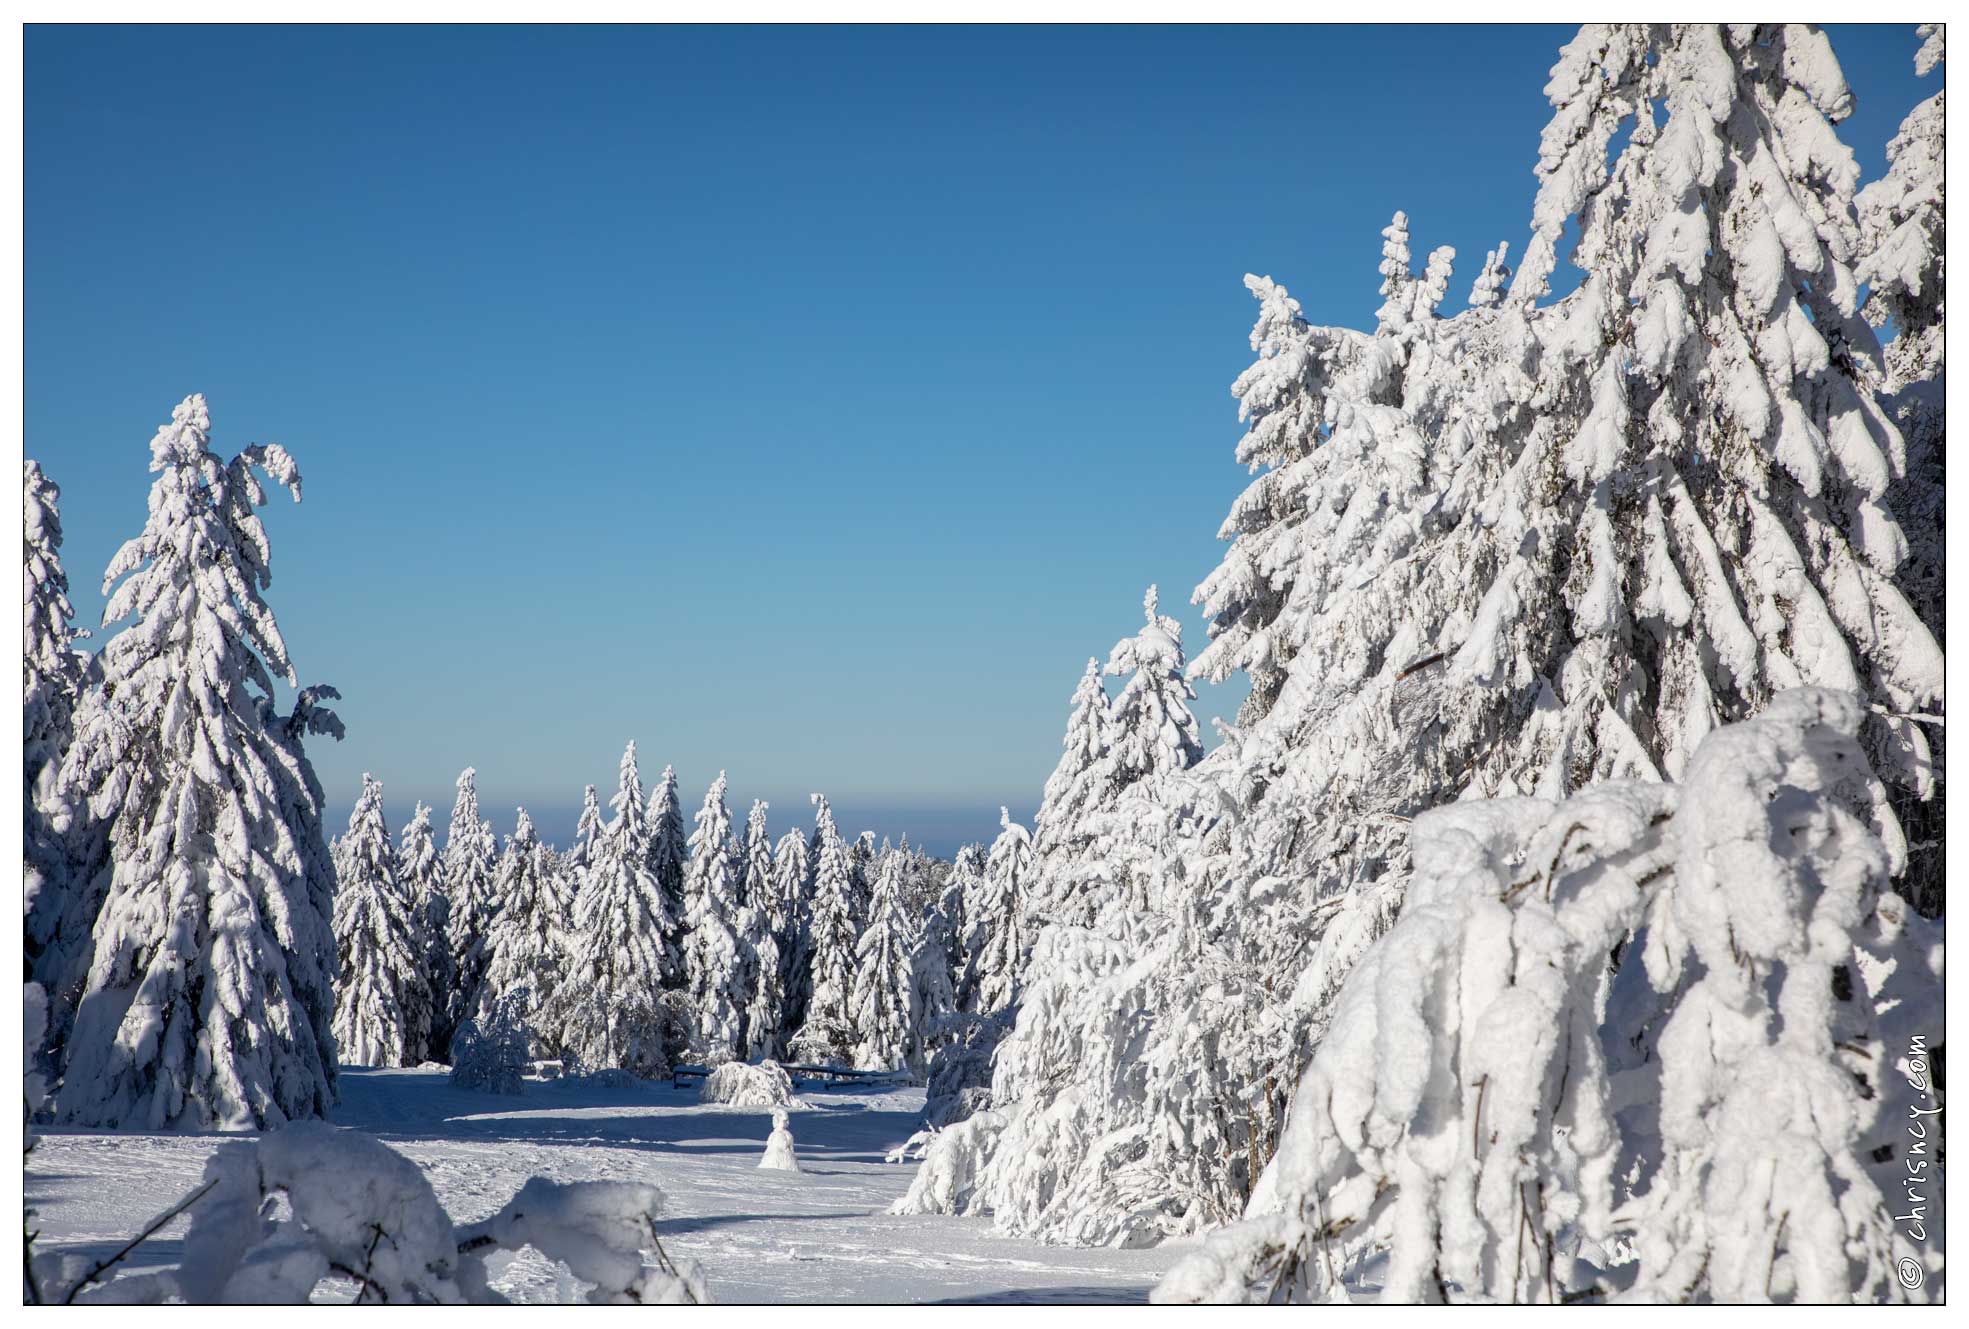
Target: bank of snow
point(823, 1234)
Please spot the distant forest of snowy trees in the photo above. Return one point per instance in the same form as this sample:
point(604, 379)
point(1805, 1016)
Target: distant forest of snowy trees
point(209, 960)
point(1551, 925)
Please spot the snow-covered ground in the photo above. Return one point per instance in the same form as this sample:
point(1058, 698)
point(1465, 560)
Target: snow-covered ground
point(820, 1235)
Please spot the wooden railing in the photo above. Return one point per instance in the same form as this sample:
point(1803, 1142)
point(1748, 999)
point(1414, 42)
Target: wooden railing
point(802, 1074)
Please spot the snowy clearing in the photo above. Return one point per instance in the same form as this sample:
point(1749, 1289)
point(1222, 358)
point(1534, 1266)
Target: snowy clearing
point(823, 1234)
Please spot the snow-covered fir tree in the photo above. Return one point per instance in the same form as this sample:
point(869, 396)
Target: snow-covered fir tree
point(1515, 551)
point(53, 675)
point(1726, 950)
point(586, 832)
point(714, 958)
point(883, 1005)
point(529, 941)
point(494, 1049)
point(422, 873)
point(668, 850)
point(1079, 784)
point(471, 858)
point(1097, 858)
point(1901, 228)
point(1150, 728)
point(608, 1011)
point(827, 1032)
point(861, 876)
point(792, 888)
point(208, 989)
point(382, 989)
point(1901, 219)
point(1105, 1125)
point(53, 671)
point(763, 925)
point(999, 939)
point(937, 1013)
point(969, 879)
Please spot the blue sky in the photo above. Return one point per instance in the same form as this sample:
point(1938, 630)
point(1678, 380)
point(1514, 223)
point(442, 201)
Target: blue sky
point(804, 402)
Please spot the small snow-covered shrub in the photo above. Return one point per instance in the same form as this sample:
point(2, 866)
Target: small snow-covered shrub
point(1636, 1045)
point(493, 1054)
point(743, 1084)
point(357, 1211)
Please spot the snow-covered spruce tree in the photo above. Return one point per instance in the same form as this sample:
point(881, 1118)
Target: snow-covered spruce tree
point(1152, 738)
point(1902, 227)
point(1150, 727)
point(1703, 403)
point(209, 981)
point(827, 1032)
point(586, 832)
point(1528, 548)
point(1079, 783)
point(422, 873)
point(1120, 1080)
point(755, 859)
point(53, 675)
point(937, 974)
point(471, 859)
point(861, 876)
point(999, 940)
point(964, 1040)
point(382, 990)
point(668, 849)
point(714, 959)
point(883, 1006)
point(527, 948)
point(1725, 952)
point(969, 878)
point(608, 1008)
point(493, 1050)
point(765, 968)
point(792, 891)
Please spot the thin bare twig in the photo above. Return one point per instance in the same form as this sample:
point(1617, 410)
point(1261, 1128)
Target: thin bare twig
point(1422, 664)
point(104, 1266)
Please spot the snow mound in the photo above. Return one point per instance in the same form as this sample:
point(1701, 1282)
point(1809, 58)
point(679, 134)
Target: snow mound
point(357, 1211)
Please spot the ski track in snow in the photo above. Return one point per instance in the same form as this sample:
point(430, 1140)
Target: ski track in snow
point(820, 1235)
